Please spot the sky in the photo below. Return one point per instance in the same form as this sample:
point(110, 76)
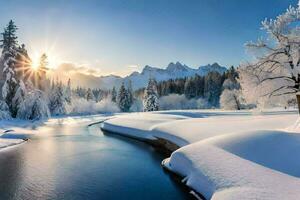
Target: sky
point(118, 36)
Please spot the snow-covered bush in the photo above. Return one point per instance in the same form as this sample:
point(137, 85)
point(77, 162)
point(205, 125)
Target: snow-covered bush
point(177, 102)
point(34, 106)
point(4, 111)
point(107, 106)
point(83, 106)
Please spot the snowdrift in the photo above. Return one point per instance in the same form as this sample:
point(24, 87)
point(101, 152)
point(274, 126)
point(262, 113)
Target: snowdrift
point(225, 155)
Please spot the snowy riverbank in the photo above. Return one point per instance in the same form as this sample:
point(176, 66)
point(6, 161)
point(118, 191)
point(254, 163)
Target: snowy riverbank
point(15, 132)
point(225, 155)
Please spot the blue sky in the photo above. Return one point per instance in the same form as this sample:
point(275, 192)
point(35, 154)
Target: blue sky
point(115, 36)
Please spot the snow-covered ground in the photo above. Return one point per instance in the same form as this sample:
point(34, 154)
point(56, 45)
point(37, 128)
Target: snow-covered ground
point(14, 132)
point(226, 155)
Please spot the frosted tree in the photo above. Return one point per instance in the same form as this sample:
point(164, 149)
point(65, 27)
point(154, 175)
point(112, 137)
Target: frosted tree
point(230, 99)
point(123, 99)
point(114, 95)
point(34, 107)
point(57, 100)
point(68, 92)
point(89, 95)
point(276, 70)
point(150, 101)
point(8, 66)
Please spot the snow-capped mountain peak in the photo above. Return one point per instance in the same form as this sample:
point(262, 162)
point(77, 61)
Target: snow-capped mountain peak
point(173, 67)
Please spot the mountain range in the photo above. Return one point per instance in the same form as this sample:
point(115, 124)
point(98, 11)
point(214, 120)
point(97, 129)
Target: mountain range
point(140, 79)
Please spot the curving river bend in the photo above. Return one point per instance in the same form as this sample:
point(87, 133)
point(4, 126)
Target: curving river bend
point(69, 160)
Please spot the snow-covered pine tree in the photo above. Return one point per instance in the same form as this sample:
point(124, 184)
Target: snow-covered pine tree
point(68, 92)
point(34, 106)
point(8, 66)
point(123, 99)
point(56, 100)
point(150, 101)
point(114, 95)
point(89, 95)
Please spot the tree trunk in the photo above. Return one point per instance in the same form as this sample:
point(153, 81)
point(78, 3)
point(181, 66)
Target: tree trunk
point(298, 101)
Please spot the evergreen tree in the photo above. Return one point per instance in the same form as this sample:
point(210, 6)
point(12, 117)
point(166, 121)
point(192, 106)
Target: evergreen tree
point(190, 88)
point(8, 66)
point(57, 101)
point(89, 95)
point(213, 87)
point(114, 95)
point(123, 99)
point(9, 41)
point(34, 106)
point(150, 101)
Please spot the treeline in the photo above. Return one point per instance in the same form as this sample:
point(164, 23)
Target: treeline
point(208, 87)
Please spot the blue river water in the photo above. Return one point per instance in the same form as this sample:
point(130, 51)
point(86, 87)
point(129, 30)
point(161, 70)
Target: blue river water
point(67, 159)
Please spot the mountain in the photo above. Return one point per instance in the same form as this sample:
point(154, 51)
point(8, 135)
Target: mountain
point(172, 71)
point(140, 79)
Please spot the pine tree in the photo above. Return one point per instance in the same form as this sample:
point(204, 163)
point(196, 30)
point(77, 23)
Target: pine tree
point(9, 41)
point(8, 64)
point(114, 95)
point(34, 106)
point(213, 88)
point(123, 99)
point(150, 101)
point(57, 101)
point(89, 95)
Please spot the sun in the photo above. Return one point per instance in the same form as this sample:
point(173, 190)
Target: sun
point(35, 63)
point(52, 60)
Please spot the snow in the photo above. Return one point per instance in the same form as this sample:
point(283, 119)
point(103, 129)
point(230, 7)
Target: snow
point(223, 154)
point(14, 132)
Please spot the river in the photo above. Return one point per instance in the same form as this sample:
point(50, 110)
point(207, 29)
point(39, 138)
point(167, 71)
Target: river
point(67, 159)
